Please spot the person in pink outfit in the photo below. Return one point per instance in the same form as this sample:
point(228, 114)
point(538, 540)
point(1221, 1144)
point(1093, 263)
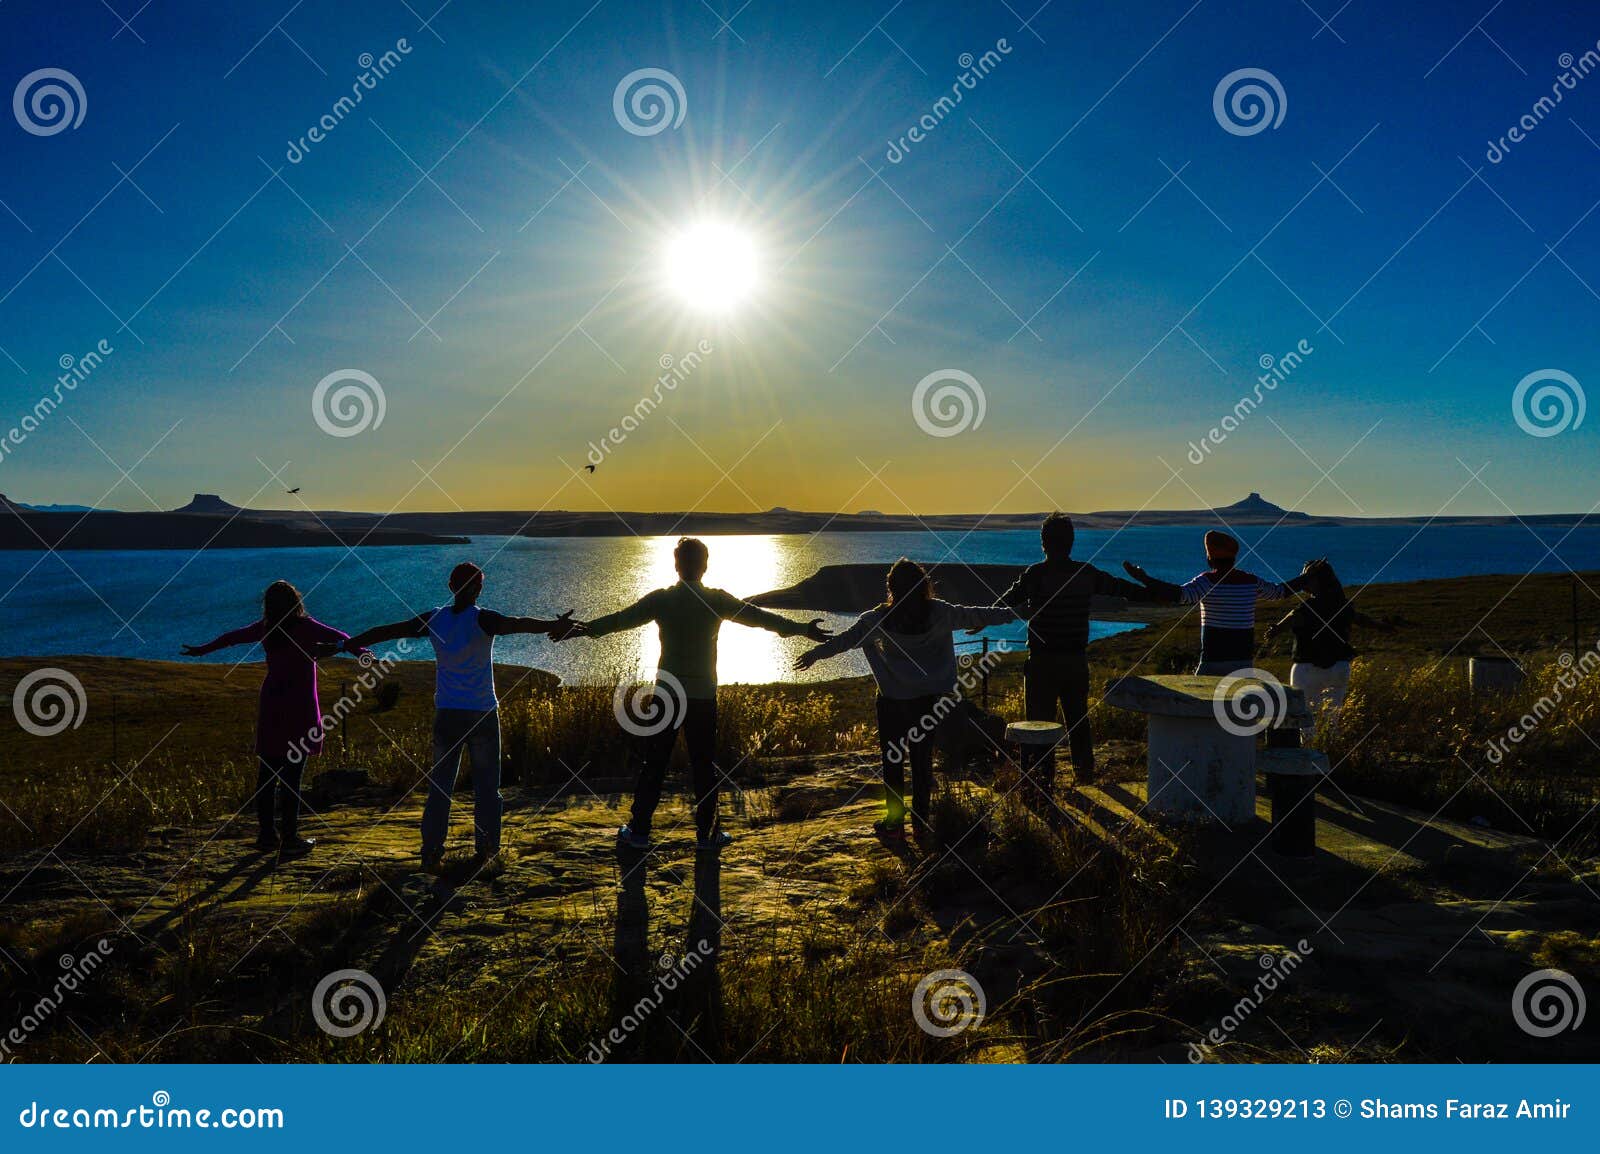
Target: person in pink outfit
point(289, 720)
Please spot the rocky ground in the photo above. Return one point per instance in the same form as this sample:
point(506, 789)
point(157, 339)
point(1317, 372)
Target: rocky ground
point(1415, 931)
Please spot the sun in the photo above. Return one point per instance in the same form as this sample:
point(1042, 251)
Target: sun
point(712, 266)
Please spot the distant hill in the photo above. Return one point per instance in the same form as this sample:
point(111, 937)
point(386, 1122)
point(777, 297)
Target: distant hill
point(1254, 509)
point(7, 503)
point(209, 503)
point(1254, 503)
point(207, 522)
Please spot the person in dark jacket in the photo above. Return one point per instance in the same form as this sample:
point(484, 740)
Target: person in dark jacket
point(1322, 650)
point(1054, 596)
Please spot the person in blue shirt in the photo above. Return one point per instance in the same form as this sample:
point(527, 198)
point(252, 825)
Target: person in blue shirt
point(466, 710)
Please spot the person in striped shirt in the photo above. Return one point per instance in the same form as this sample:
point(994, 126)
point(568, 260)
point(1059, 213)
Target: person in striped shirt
point(1055, 595)
point(1227, 596)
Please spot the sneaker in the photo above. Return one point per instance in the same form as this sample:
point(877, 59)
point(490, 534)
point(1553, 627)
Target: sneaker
point(488, 865)
point(716, 841)
point(297, 847)
point(267, 843)
point(627, 837)
point(432, 860)
point(886, 828)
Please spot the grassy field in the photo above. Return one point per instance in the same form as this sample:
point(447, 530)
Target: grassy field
point(1084, 933)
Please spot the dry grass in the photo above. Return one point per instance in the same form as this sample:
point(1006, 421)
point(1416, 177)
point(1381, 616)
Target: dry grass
point(1414, 732)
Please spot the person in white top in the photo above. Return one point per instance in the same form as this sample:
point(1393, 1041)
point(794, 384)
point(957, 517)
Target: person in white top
point(466, 710)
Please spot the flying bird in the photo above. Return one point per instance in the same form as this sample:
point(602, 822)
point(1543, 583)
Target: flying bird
point(292, 491)
point(591, 468)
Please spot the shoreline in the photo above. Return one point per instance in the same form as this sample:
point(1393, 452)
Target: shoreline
point(218, 525)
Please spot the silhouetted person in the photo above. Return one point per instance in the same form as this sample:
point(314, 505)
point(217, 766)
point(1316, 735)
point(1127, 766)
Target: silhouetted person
point(1227, 597)
point(689, 616)
point(1322, 650)
point(466, 710)
point(289, 719)
point(908, 645)
point(1055, 596)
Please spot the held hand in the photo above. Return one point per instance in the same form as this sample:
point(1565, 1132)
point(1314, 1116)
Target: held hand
point(816, 631)
point(1136, 572)
point(325, 649)
point(192, 651)
point(805, 661)
point(564, 627)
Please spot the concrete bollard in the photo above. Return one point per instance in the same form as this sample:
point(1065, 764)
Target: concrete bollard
point(1494, 675)
point(1293, 775)
point(1200, 772)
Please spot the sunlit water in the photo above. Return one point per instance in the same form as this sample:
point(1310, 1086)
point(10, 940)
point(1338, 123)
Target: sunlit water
point(146, 603)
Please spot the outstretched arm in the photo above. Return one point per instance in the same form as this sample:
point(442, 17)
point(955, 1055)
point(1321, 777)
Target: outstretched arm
point(248, 635)
point(1107, 585)
point(641, 612)
point(1272, 630)
point(500, 624)
point(325, 640)
point(744, 613)
point(411, 627)
point(1278, 590)
point(1155, 588)
point(850, 639)
point(977, 618)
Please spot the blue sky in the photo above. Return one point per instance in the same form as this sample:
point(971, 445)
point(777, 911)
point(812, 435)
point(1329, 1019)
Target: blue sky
point(532, 247)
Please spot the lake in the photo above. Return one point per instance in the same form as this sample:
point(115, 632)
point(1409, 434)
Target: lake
point(146, 603)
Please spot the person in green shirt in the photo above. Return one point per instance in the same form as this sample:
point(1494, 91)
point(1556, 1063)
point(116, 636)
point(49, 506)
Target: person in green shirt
point(689, 616)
